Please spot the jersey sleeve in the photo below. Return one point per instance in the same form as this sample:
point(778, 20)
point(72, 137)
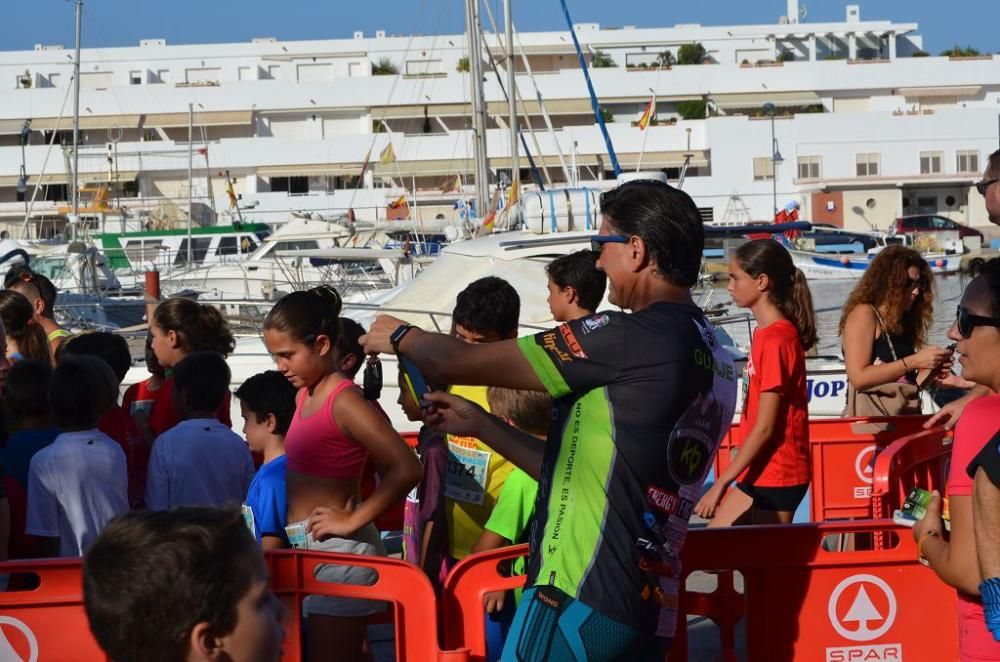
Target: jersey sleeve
point(42, 516)
point(776, 364)
point(512, 514)
point(269, 510)
point(577, 356)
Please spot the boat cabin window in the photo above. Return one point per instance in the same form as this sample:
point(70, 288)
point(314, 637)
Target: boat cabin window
point(199, 248)
point(297, 245)
point(236, 245)
point(141, 251)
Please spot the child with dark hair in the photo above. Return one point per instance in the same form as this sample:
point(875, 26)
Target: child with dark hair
point(184, 584)
point(27, 398)
point(425, 531)
point(179, 327)
point(41, 294)
point(80, 481)
point(116, 422)
point(142, 398)
point(25, 338)
point(347, 353)
point(199, 461)
point(267, 402)
point(576, 285)
point(487, 310)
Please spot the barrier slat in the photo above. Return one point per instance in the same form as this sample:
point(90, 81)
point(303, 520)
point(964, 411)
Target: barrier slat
point(917, 460)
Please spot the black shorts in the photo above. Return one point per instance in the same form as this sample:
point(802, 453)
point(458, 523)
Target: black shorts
point(784, 499)
point(989, 460)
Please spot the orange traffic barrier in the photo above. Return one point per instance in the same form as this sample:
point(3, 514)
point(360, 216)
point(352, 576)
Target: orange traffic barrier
point(799, 601)
point(47, 622)
point(843, 458)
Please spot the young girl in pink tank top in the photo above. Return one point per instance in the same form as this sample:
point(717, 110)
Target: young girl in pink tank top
point(332, 433)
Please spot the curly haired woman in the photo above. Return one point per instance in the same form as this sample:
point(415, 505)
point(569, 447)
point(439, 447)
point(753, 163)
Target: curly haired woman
point(885, 322)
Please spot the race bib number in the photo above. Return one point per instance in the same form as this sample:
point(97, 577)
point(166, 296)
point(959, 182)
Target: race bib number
point(465, 479)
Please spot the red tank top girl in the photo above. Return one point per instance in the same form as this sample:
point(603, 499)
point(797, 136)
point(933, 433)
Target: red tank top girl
point(316, 446)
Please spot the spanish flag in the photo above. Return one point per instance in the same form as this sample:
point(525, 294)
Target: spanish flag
point(648, 115)
point(388, 155)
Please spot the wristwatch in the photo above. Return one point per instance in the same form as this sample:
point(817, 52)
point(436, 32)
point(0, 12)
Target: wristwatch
point(398, 334)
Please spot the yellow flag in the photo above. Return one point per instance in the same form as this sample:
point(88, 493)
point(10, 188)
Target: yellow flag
point(388, 154)
point(513, 194)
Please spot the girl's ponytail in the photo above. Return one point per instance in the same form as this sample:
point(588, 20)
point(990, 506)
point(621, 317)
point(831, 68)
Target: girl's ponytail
point(789, 290)
point(306, 315)
point(800, 310)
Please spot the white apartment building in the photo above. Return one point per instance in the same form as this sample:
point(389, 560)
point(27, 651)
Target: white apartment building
point(866, 128)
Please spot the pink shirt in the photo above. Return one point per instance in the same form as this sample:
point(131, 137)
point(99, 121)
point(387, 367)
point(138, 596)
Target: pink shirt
point(979, 422)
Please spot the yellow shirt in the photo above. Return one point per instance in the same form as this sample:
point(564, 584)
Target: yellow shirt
point(472, 482)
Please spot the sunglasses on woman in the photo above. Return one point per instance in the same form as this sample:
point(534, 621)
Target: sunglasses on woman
point(913, 283)
point(598, 240)
point(967, 322)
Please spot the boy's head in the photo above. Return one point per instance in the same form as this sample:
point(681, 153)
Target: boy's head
point(110, 347)
point(181, 584)
point(201, 381)
point(530, 411)
point(406, 400)
point(152, 364)
point(486, 311)
point(348, 354)
point(28, 389)
point(576, 285)
point(267, 401)
point(82, 388)
point(35, 287)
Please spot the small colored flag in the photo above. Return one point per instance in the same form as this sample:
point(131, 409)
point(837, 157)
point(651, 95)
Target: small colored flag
point(388, 155)
point(513, 195)
point(648, 114)
point(231, 192)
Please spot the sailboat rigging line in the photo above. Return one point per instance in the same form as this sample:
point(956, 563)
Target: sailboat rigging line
point(45, 162)
point(545, 114)
point(593, 95)
point(531, 161)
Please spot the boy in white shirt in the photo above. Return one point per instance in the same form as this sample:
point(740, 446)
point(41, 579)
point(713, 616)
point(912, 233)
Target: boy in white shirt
point(200, 461)
point(79, 482)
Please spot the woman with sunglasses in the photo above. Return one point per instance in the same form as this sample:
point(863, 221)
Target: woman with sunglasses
point(884, 330)
point(976, 332)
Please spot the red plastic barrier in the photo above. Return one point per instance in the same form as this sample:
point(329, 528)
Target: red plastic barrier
point(917, 460)
point(800, 601)
point(843, 457)
point(415, 615)
point(47, 623)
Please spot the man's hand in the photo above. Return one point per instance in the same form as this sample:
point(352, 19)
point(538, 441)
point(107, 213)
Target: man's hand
point(376, 341)
point(453, 415)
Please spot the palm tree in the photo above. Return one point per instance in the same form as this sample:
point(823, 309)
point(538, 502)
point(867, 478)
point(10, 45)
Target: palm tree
point(384, 67)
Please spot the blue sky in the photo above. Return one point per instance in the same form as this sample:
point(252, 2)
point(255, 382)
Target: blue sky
point(125, 22)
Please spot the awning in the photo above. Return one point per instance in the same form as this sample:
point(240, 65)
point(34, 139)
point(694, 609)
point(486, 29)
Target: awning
point(204, 118)
point(62, 178)
point(756, 99)
point(553, 106)
point(952, 91)
point(653, 159)
point(11, 127)
point(86, 122)
point(310, 170)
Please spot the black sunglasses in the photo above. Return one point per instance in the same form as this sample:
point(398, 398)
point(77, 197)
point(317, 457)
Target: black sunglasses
point(967, 322)
point(985, 184)
point(597, 241)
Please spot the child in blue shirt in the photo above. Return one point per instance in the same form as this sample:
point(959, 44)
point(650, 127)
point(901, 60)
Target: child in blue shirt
point(267, 402)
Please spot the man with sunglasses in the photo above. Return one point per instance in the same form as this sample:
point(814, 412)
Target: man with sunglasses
point(989, 187)
point(642, 400)
point(41, 293)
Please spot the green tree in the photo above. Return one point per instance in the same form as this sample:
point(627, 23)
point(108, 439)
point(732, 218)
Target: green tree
point(666, 59)
point(602, 60)
point(607, 115)
point(786, 56)
point(919, 54)
point(958, 51)
point(463, 65)
point(693, 53)
point(692, 110)
point(384, 67)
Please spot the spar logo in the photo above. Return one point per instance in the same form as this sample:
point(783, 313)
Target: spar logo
point(864, 467)
point(863, 608)
point(17, 641)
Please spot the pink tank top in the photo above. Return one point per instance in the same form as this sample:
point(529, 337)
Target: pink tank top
point(316, 446)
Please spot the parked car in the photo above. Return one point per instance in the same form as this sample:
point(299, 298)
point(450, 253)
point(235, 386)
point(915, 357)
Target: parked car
point(825, 235)
point(933, 223)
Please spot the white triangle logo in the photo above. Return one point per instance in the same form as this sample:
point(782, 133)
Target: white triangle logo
point(854, 625)
point(7, 652)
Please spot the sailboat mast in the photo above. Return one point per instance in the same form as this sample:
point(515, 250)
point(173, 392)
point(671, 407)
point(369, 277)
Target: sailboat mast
point(76, 124)
point(515, 165)
point(190, 177)
point(478, 105)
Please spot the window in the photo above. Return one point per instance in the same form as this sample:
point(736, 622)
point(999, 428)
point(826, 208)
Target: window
point(930, 163)
point(810, 167)
point(941, 223)
point(227, 246)
point(135, 78)
point(290, 185)
point(243, 73)
point(274, 72)
point(199, 248)
point(917, 223)
point(296, 245)
point(868, 164)
point(967, 161)
point(763, 168)
point(56, 79)
point(139, 252)
point(163, 75)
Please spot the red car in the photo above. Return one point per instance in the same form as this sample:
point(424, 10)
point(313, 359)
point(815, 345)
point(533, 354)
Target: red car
point(933, 223)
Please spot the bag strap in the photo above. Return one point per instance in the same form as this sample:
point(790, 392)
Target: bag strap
point(885, 332)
